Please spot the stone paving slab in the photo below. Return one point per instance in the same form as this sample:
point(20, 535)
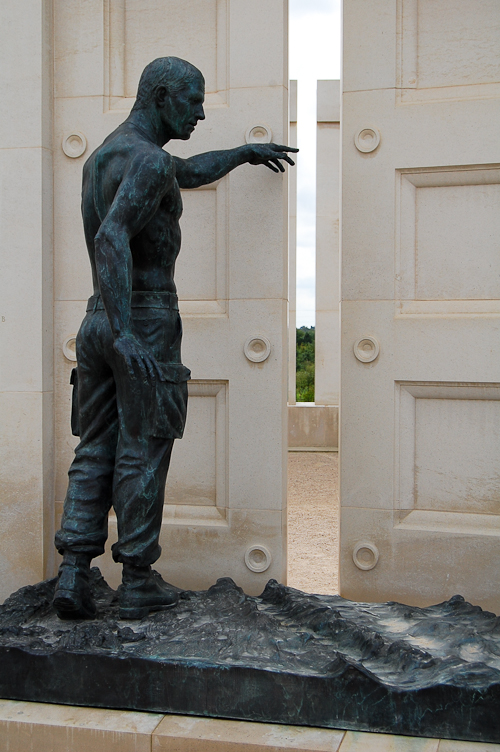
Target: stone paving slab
point(39, 727)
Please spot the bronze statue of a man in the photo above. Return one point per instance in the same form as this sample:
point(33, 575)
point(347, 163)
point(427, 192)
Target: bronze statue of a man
point(131, 384)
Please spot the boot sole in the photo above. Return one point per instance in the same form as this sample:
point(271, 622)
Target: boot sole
point(68, 606)
point(140, 612)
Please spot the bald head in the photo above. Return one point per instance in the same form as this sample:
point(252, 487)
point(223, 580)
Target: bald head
point(171, 72)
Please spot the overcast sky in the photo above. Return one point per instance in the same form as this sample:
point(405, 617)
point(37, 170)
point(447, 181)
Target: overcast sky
point(314, 54)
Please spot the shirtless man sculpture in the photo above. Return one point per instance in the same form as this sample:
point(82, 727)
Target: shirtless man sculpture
point(131, 386)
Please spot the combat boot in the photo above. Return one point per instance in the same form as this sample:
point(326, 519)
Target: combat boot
point(143, 590)
point(72, 597)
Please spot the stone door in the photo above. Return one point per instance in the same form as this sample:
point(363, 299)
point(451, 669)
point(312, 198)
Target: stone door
point(225, 499)
point(420, 406)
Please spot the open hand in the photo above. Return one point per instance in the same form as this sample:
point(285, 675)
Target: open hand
point(270, 155)
point(137, 356)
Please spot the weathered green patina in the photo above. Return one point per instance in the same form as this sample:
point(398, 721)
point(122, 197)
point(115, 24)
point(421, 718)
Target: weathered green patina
point(130, 385)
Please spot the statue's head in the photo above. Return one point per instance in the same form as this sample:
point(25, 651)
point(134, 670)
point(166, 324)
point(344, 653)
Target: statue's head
point(175, 89)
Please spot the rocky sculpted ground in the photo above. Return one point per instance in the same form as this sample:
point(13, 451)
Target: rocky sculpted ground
point(283, 656)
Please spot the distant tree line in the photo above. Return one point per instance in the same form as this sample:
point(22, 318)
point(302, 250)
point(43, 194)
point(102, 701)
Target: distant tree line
point(305, 364)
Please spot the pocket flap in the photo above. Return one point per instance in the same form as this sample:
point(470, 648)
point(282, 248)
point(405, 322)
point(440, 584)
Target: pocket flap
point(176, 373)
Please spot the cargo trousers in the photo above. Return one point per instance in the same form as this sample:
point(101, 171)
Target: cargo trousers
point(127, 426)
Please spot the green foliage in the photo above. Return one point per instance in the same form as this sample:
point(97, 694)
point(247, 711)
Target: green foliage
point(305, 364)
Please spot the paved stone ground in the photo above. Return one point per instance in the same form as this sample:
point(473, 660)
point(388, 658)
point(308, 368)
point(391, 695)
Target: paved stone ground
point(313, 521)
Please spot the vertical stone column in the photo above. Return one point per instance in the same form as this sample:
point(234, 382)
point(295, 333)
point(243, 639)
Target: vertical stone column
point(327, 365)
point(292, 251)
point(26, 351)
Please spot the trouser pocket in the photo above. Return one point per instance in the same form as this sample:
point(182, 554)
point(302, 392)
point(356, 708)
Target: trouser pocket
point(170, 405)
point(75, 419)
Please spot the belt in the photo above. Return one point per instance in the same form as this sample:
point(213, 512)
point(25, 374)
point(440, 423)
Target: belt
point(140, 299)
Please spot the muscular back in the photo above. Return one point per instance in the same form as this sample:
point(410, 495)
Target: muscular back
point(111, 177)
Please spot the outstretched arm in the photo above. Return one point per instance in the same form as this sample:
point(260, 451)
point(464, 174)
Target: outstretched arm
point(213, 165)
point(136, 201)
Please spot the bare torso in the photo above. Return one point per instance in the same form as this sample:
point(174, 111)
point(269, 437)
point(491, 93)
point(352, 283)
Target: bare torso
point(131, 206)
point(155, 247)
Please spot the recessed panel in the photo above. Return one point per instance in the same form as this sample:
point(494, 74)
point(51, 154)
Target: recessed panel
point(197, 470)
point(457, 251)
point(170, 27)
point(458, 42)
point(448, 460)
point(137, 33)
point(449, 49)
point(457, 457)
point(448, 241)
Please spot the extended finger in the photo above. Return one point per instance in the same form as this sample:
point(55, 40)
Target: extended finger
point(142, 367)
point(268, 164)
point(158, 370)
point(128, 363)
point(149, 366)
point(278, 165)
point(283, 147)
point(286, 158)
point(130, 367)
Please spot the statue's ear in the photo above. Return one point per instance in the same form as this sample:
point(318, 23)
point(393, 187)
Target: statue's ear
point(160, 95)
